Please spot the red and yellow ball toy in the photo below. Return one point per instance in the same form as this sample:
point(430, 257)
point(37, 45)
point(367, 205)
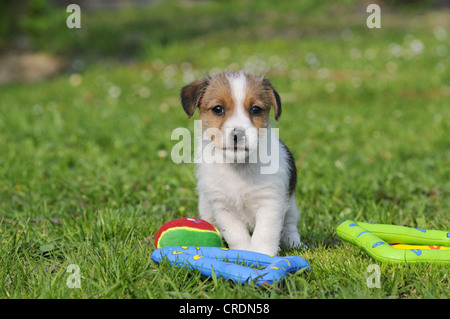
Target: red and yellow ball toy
point(188, 232)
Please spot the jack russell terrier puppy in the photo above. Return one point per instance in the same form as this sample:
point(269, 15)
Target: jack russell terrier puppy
point(252, 205)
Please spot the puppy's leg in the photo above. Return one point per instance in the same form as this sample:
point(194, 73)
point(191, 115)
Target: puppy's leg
point(269, 223)
point(289, 235)
point(232, 228)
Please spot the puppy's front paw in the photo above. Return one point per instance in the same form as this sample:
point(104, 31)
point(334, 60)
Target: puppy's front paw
point(291, 239)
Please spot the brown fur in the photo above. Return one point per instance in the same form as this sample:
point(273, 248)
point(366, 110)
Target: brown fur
point(215, 90)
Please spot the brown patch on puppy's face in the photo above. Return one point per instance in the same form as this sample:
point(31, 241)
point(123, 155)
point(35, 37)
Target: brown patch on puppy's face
point(257, 102)
point(231, 102)
point(217, 104)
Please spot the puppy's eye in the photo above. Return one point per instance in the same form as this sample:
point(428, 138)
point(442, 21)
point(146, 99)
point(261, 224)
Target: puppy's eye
point(255, 110)
point(218, 110)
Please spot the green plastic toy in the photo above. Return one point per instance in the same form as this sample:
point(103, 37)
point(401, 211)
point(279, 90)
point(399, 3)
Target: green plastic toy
point(397, 244)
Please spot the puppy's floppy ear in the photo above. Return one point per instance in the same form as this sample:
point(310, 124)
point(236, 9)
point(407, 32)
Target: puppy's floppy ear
point(275, 98)
point(191, 95)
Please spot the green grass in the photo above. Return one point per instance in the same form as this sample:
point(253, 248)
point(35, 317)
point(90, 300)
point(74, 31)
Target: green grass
point(85, 171)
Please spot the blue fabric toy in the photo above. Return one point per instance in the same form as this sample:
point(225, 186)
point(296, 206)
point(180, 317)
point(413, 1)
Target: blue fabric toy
point(209, 260)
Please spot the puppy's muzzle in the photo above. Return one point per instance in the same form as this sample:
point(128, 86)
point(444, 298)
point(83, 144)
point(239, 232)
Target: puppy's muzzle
point(239, 138)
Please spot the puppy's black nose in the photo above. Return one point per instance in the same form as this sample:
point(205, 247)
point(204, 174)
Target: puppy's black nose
point(238, 134)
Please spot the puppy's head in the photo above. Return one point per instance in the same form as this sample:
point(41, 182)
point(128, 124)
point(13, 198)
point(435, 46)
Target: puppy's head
point(233, 107)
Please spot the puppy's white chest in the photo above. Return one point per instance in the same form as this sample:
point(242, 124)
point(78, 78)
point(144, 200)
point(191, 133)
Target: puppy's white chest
point(221, 182)
point(237, 190)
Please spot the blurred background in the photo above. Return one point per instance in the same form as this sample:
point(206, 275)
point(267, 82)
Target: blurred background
point(35, 42)
point(86, 114)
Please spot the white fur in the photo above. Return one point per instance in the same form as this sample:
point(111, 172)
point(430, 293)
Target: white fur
point(238, 199)
point(238, 84)
point(240, 118)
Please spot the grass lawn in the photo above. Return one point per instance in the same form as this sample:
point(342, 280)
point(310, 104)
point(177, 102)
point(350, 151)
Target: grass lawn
point(86, 176)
